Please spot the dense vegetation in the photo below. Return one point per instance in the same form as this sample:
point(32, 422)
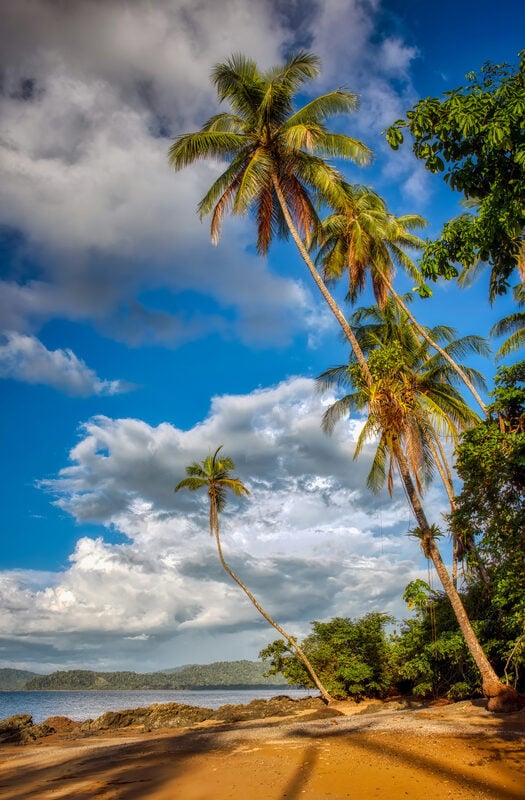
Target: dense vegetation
point(233, 674)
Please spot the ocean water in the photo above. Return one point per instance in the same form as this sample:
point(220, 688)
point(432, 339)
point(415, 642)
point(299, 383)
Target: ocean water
point(80, 706)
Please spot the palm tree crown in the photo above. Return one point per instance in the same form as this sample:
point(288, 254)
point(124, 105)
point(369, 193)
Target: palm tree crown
point(362, 238)
point(213, 472)
point(411, 401)
point(270, 146)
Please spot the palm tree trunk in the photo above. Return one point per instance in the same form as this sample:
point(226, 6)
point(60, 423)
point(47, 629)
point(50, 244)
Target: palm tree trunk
point(441, 463)
point(327, 698)
point(334, 308)
point(455, 366)
point(446, 477)
point(500, 696)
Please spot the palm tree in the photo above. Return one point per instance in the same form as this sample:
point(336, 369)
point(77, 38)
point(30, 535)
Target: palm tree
point(275, 155)
point(214, 472)
point(362, 238)
point(512, 326)
point(378, 327)
point(409, 402)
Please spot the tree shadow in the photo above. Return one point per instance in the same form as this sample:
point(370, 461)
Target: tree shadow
point(361, 738)
point(138, 766)
point(129, 770)
point(303, 772)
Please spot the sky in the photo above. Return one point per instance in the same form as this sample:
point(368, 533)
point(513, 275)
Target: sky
point(130, 346)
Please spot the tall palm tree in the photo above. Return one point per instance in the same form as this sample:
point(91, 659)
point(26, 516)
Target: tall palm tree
point(512, 326)
point(214, 473)
point(362, 238)
point(408, 403)
point(377, 327)
point(276, 155)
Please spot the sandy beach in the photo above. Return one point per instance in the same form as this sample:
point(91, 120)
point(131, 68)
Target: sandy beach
point(458, 751)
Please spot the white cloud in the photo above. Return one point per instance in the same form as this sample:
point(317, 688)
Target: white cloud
point(91, 95)
point(25, 358)
point(309, 542)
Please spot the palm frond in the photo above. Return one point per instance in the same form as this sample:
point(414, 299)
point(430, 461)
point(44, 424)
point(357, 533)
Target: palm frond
point(238, 81)
point(323, 107)
point(299, 67)
point(338, 145)
point(256, 174)
point(220, 187)
point(191, 147)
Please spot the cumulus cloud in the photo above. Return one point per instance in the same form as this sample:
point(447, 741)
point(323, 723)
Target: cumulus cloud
point(90, 95)
point(25, 358)
point(310, 542)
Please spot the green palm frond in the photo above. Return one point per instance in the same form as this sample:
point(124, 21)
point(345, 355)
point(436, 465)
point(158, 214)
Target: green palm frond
point(224, 186)
point(256, 173)
point(191, 147)
point(378, 474)
point(298, 68)
point(322, 108)
point(229, 123)
point(338, 145)
point(515, 342)
point(239, 81)
point(264, 140)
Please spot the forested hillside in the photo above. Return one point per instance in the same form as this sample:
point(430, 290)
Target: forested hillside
point(11, 680)
point(195, 676)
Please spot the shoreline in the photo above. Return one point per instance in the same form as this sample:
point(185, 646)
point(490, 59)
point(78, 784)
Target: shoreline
point(458, 750)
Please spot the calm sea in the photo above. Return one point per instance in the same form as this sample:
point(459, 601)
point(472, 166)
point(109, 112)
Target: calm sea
point(89, 705)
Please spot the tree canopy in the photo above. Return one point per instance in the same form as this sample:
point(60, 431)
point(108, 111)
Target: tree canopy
point(475, 136)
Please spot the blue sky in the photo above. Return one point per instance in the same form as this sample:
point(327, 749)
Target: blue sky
point(131, 346)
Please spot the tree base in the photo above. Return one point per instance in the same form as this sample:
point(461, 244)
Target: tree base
point(504, 700)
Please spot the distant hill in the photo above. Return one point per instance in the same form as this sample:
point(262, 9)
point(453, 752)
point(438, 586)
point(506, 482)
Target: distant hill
point(12, 680)
point(221, 674)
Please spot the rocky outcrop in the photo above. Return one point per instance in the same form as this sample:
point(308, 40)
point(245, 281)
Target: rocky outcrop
point(159, 715)
point(20, 728)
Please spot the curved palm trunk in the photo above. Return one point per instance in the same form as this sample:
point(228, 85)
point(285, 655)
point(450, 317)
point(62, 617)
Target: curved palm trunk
point(500, 696)
point(334, 308)
point(214, 529)
point(455, 366)
point(446, 477)
point(441, 463)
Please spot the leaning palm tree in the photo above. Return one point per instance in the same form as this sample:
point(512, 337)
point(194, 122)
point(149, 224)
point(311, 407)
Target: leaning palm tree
point(512, 326)
point(404, 413)
point(387, 328)
point(214, 473)
point(276, 155)
point(361, 238)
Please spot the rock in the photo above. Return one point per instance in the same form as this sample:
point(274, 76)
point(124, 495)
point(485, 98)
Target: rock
point(160, 715)
point(11, 728)
point(280, 706)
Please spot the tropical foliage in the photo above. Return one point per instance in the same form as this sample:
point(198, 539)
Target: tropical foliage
point(474, 136)
point(352, 657)
point(512, 326)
